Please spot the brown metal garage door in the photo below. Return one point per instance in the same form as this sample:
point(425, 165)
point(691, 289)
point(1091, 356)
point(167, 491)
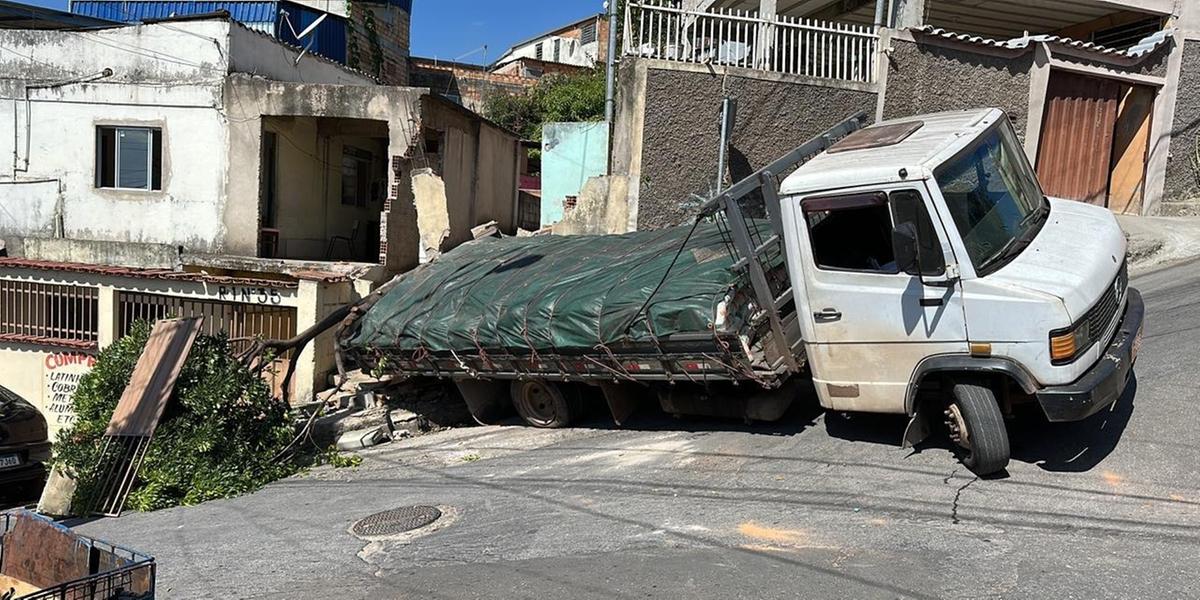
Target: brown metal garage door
point(1075, 153)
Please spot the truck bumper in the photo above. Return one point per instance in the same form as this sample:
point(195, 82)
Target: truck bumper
point(1105, 381)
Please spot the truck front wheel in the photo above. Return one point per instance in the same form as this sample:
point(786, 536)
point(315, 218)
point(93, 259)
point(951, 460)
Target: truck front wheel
point(541, 403)
point(976, 425)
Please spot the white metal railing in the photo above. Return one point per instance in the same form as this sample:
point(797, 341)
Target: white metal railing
point(662, 29)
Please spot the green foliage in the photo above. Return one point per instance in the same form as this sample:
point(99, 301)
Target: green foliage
point(556, 98)
point(338, 460)
point(218, 437)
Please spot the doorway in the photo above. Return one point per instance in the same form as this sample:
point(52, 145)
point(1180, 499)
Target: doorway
point(1094, 140)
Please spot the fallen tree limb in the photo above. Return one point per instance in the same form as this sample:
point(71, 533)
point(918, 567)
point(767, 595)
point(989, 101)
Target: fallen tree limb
point(254, 357)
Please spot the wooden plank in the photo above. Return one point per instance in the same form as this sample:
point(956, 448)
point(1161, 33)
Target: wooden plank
point(153, 379)
point(43, 554)
point(1077, 133)
point(1131, 144)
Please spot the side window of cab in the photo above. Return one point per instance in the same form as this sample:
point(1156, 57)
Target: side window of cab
point(853, 232)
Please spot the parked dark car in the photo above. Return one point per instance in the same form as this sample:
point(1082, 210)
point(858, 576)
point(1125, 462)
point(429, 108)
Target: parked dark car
point(24, 440)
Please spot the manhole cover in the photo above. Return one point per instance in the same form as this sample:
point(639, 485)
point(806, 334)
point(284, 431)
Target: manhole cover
point(397, 520)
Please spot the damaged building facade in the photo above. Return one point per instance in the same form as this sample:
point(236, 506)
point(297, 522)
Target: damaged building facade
point(198, 167)
point(1102, 92)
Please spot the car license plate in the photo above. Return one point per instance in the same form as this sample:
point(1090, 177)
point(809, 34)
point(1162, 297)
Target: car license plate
point(9, 460)
point(1137, 343)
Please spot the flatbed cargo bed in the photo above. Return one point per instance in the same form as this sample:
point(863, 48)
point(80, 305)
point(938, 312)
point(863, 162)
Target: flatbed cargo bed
point(647, 306)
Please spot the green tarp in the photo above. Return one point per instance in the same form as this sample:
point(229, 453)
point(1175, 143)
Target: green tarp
point(554, 294)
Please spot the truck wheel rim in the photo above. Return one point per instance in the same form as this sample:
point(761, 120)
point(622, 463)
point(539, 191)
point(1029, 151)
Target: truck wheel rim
point(958, 427)
point(538, 403)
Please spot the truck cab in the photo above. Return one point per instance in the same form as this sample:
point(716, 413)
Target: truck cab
point(934, 278)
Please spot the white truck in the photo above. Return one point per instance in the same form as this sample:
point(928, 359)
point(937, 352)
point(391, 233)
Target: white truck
point(912, 267)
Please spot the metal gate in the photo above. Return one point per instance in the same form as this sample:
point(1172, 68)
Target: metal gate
point(1075, 153)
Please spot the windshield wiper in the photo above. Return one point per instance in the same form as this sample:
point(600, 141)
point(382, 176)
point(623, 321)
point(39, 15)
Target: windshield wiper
point(1036, 213)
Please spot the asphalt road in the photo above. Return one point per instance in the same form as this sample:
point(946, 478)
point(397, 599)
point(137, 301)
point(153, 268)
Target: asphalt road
point(818, 506)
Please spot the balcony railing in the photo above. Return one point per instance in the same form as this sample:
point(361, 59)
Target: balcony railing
point(662, 29)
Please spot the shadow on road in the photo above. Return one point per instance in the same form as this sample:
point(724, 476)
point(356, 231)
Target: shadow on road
point(1073, 447)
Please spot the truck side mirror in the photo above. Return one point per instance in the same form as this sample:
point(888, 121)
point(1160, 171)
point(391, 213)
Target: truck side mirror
point(905, 248)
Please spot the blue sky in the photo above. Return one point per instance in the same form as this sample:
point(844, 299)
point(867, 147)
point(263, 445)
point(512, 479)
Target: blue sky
point(449, 29)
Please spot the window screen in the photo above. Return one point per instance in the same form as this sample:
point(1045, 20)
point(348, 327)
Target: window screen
point(129, 158)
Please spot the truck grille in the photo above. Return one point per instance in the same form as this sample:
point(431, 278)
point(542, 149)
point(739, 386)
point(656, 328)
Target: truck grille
point(1100, 317)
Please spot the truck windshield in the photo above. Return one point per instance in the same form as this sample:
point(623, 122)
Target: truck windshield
point(994, 199)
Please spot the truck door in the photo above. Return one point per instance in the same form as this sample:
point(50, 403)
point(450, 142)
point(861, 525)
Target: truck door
point(867, 323)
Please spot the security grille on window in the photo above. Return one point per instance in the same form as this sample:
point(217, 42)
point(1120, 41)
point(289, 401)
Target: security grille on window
point(537, 51)
point(557, 50)
point(588, 35)
point(129, 158)
point(356, 176)
point(49, 312)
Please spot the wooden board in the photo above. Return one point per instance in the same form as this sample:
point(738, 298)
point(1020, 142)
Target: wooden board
point(1131, 143)
point(1075, 153)
point(43, 554)
point(153, 379)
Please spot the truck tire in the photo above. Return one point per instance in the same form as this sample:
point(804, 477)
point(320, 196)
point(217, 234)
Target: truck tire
point(977, 426)
point(541, 403)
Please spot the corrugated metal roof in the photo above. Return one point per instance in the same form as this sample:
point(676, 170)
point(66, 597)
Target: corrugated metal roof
point(328, 39)
point(254, 13)
point(1142, 48)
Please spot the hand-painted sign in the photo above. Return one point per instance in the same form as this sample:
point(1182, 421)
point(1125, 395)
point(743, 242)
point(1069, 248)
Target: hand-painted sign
point(249, 295)
point(62, 374)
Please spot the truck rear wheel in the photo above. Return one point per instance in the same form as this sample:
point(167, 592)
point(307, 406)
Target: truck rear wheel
point(541, 403)
point(977, 426)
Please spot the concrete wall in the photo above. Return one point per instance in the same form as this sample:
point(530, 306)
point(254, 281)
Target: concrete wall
point(256, 54)
point(681, 130)
point(571, 153)
point(172, 77)
point(1182, 178)
point(924, 78)
point(477, 163)
point(309, 187)
point(46, 377)
point(248, 99)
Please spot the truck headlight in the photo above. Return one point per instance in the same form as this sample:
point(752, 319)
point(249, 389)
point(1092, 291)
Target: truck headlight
point(1067, 344)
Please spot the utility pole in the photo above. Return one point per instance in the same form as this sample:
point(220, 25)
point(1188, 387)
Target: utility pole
point(610, 88)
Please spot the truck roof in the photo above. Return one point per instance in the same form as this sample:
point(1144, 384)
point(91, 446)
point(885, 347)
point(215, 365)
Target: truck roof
point(939, 137)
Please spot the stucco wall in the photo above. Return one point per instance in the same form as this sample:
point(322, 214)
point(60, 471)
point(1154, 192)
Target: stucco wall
point(249, 98)
point(62, 155)
point(498, 178)
point(925, 78)
point(1181, 177)
point(46, 377)
point(571, 154)
point(681, 131)
point(309, 187)
point(254, 53)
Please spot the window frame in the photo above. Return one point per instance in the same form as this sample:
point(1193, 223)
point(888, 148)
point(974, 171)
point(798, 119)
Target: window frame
point(154, 158)
point(363, 160)
point(848, 201)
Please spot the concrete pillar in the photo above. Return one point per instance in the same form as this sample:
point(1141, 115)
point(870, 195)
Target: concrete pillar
point(909, 14)
point(108, 308)
point(1039, 81)
point(767, 11)
point(1162, 123)
point(309, 299)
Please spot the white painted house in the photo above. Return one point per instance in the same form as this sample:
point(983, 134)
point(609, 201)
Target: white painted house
point(197, 167)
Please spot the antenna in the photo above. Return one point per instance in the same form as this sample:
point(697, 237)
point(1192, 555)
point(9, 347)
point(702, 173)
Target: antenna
point(283, 14)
